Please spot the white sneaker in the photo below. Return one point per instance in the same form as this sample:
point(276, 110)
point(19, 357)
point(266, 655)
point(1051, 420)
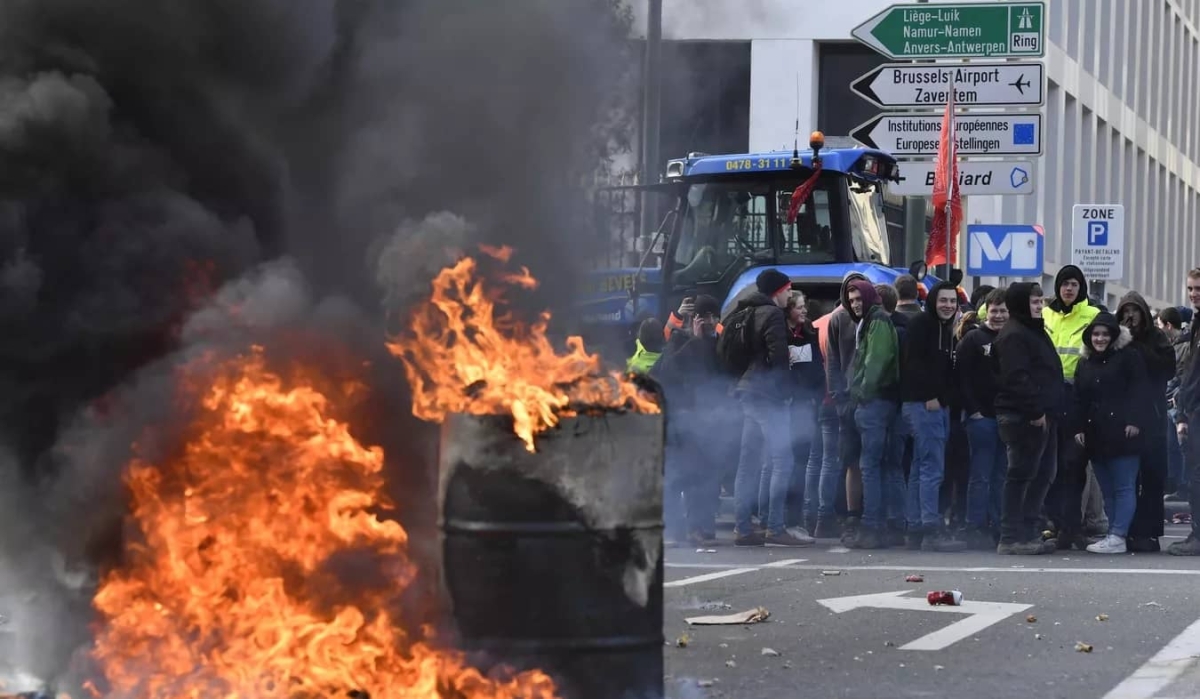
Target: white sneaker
point(1109, 544)
point(801, 534)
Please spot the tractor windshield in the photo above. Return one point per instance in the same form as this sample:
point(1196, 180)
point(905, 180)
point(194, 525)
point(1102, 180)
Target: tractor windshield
point(728, 223)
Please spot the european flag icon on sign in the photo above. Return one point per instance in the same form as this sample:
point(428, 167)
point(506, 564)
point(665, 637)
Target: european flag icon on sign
point(1023, 134)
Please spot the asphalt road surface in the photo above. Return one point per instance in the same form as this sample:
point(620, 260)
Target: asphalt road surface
point(1016, 634)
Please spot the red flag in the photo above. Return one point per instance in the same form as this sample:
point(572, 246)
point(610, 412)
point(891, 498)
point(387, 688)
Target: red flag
point(945, 192)
point(801, 194)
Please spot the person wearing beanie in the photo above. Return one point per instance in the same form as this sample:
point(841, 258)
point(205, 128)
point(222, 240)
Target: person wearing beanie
point(765, 390)
point(1158, 358)
point(874, 391)
point(1066, 318)
point(839, 369)
point(1029, 400)
point(649, 346)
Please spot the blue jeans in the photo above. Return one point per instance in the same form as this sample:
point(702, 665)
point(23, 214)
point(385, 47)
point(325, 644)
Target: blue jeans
point(895, 490)
point(766, 444)
point(989, 462)
point(1118, 481)
point(930, 431)
point(821, 478)
point(806, 446)
point(874, 420)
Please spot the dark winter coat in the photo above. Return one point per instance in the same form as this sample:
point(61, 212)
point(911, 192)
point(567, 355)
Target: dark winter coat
point(767, 376)
point(691, 373)
point(975, 369)
point(808, 372)
point(927, 360)
point(1109, 394)
point(1030, 378)
point(1158, 356)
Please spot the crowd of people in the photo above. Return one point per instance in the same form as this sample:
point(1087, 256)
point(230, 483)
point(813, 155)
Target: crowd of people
point(1006, 421)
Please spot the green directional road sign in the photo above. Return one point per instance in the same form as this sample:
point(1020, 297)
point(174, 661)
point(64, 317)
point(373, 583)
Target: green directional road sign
point(960, 30)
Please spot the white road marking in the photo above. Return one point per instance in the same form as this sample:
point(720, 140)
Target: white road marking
point(731, 572)
point(981, 615)
point(951, 569)
point(1163, 669)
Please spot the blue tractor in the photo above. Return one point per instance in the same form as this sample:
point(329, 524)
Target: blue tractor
point(727, 219)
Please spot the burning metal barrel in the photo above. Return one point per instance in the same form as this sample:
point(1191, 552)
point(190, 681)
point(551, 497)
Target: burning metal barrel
point(553, 559)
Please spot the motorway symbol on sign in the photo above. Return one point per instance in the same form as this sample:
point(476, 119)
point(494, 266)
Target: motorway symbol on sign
point(974, 177)
point(975, 85)
point(1098, 240)
point(960, 30)
point(981, 615)
point(1005, 250)
point(978, 134)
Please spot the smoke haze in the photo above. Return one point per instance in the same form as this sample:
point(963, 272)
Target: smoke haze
point(197, 174)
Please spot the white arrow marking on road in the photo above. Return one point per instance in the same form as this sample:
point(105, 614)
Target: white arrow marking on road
point(982, 615)
point(735, 571)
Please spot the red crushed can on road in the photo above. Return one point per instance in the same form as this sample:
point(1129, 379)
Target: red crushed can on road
point(951, 598)
point(915, 578)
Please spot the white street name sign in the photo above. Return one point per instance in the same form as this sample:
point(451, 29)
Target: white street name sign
point(975, 85)
point(980, 615)
point(977, 134)
point(974, 177)
point(1098, 240)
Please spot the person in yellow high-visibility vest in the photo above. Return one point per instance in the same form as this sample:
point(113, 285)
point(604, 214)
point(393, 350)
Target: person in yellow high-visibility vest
point(1066, 318)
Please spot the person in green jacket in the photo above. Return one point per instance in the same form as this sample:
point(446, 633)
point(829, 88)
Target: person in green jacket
point(875, 392)
point(649, 347)
point(1067, 316)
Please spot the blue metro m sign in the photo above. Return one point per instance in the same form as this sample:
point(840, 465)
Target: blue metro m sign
point(1005, 250)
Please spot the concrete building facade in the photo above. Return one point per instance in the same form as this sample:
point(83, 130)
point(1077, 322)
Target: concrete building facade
point(1120, 124)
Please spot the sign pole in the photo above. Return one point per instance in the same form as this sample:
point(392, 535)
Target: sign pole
point(950, 185)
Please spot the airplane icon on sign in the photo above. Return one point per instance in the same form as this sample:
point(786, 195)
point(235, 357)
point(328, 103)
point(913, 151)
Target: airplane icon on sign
point(1020, 83)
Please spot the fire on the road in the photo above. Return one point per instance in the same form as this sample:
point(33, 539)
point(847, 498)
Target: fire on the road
point(466, 354)
point(232, 589)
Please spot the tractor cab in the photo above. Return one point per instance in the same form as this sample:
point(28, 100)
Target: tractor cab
point(815, 216)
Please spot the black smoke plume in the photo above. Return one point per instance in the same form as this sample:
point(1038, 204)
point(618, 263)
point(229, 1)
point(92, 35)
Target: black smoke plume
point(156, 154)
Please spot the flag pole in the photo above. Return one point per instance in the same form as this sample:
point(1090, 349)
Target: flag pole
point(951, 182)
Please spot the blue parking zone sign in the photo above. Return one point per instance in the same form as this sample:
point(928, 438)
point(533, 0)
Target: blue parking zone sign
point(1005, 250)
point(1097, 233)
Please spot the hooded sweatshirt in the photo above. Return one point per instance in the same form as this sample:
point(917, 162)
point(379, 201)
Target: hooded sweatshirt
point(1066, 322)
point(1030, 378)
point(1109, 391)
point(839, 364)
point(877, 360)
point(927, 366)
point(1151, 343)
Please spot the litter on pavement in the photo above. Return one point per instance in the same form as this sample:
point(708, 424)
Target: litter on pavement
point(750, 616)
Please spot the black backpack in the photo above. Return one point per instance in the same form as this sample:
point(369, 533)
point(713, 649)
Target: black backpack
point(735, 346)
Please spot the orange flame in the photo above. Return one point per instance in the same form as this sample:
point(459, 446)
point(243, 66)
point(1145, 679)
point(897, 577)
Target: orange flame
point(231, 590)
point(462, 356)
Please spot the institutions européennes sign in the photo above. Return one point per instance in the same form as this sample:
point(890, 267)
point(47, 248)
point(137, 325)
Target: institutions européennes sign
point(976, 134)
point(1098, 240)
point(975, 85)
point(974, 177)
point(958, 30)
